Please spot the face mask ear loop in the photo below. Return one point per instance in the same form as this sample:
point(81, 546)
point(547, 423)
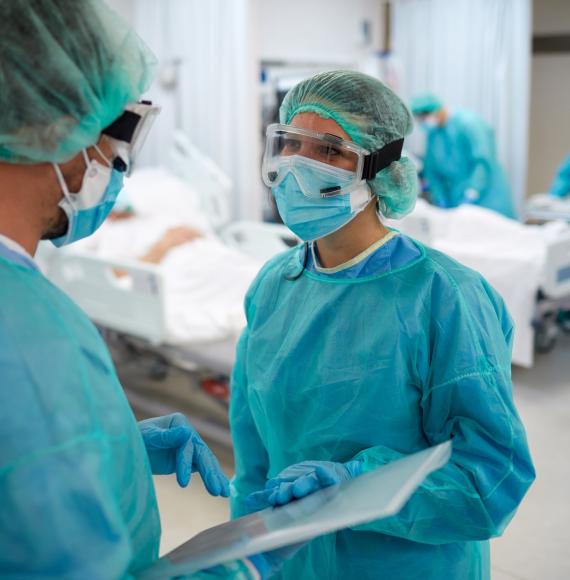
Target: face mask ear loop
point(107, 160)
point(62, 184)
point(85, 158)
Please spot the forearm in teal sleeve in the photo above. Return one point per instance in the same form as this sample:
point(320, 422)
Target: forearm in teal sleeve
point(71, 527)
point(480, 179)
point(251, 457)
point(476, 494)
point(560, 186)
point(436, 188)
point(446, 508)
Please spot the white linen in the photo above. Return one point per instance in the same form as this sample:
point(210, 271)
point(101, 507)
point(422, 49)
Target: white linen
point(546, 206)
point(205, 281)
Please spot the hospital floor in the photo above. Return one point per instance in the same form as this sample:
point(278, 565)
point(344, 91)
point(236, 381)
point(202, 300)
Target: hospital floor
point(535, 546)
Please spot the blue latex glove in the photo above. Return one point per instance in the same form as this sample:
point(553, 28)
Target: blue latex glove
point(174, 446)
point(302, 479)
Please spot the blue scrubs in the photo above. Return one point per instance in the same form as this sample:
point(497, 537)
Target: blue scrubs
point(461, 166)
point(77, 493)
point(375, 362)
point(561, 185)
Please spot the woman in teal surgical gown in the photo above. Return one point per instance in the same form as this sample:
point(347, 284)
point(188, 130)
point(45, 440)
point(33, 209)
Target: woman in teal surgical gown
point(363, 345)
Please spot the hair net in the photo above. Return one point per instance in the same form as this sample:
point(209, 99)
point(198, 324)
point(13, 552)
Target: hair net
point(67, 70)
point(373, 116)
point(425, 104)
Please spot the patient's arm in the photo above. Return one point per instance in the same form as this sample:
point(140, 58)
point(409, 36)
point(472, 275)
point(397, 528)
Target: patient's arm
point(173, 238)
point(116, 216)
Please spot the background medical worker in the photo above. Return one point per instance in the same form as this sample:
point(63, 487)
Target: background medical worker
point(75, 478)
point(363, 346)
point(460, 164)
point(561, 184)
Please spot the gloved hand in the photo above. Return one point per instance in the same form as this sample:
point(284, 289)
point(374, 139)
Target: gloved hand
point(302, 479)
point(174, 446)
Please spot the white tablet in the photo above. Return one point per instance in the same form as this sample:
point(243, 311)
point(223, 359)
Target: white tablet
point(374, 495)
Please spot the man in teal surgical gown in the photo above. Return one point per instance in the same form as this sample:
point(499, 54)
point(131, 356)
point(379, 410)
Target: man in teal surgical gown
point(461, 164)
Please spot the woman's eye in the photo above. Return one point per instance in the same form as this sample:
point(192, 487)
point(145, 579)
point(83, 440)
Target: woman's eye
point(328, 152)
point(291, 145)
point(331, 154)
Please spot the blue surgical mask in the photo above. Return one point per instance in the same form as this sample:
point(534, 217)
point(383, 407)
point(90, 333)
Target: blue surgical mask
point(314, 217)
point(88, 209)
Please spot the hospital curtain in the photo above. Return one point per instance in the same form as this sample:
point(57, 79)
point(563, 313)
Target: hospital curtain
point(474, 54)
point(207, 83)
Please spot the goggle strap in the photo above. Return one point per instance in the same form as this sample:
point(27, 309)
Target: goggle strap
point(382, 158)
point(123, 128)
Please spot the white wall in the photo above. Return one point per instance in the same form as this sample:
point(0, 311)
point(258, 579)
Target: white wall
point(328, 31)
point(218, 100)
point(124, 7)
point(213, 96)
point(551, 17)
point(550, 98)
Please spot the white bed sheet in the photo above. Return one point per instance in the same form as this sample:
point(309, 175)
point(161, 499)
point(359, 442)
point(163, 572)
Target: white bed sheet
point(543, 206)
point(510, 255)
point(205, 281)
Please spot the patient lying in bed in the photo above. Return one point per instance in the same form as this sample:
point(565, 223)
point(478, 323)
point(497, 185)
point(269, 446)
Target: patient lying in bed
point(205, 281)
point(172, 238)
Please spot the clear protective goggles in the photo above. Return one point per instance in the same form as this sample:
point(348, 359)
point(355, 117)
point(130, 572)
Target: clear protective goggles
point(287, 146)
point(128, 133)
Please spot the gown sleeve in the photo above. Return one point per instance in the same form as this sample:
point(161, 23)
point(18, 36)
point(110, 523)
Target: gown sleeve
point(436, 184)
point(561, 185)
point(251, 457)
point(467, 398)
point(481, 148)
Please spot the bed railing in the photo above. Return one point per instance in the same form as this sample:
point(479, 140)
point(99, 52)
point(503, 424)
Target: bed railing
point(556, 281)
point(126, 296)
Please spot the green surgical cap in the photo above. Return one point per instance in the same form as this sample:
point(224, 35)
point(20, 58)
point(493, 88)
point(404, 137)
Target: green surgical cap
point(373, 116)
point(67, 70)
point(425, 104)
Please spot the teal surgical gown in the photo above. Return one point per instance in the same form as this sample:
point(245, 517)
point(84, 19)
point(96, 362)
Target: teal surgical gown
point(374, 367)
point(561, 185)
point(75, 483)
point(461, 165)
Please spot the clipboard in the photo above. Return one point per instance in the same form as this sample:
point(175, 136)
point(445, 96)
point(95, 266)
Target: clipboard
point(374, 495)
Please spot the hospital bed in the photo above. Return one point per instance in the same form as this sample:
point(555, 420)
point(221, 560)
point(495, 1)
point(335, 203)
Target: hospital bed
point(214, 188)
point(553, 297)
point(544, 207)
point(528, 265)
point(131, 309)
